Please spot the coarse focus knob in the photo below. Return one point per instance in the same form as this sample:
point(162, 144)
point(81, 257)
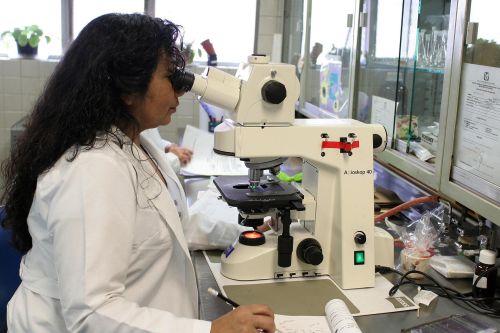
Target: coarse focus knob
point(360, 237)
point(273, 92)
point(309, 251)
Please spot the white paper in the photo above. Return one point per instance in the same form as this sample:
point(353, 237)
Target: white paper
point(339, 318)
point(424, 297)
point(301, 324)
point(383, 113)
point(478, 125)
point(205, 161)
point(453, 266)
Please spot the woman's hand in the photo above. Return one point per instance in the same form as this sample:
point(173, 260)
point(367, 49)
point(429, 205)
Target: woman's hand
point(245, 319)
point(183, 154)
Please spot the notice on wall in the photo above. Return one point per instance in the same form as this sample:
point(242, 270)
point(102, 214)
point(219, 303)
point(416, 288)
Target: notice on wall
point(478, 124)
point(383, 113)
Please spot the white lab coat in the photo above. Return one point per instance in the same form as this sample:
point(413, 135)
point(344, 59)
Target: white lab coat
point(153, 134)
point(109, 253)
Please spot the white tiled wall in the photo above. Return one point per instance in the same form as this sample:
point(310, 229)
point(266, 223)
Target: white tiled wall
point(21, 81)
point(270, 23)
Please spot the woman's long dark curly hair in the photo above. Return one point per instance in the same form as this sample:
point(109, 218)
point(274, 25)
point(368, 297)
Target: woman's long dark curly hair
point(113, 56)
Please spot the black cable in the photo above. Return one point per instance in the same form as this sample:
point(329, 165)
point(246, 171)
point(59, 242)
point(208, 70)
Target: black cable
point(476, 304)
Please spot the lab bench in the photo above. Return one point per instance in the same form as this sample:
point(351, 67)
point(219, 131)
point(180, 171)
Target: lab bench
point(212, 307)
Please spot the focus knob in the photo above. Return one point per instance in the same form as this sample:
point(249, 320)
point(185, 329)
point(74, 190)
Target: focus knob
point(309, 251)
point(273, 92)
point(360, 237)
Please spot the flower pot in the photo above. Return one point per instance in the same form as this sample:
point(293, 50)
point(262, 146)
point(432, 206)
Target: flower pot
point(27, 50)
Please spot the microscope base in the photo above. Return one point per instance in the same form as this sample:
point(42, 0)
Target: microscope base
point(244, 262)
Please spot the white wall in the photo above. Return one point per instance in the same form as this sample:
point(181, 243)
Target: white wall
point(21, 81)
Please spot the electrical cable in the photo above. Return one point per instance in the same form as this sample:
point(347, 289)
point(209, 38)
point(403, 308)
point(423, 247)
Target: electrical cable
point(481, 305)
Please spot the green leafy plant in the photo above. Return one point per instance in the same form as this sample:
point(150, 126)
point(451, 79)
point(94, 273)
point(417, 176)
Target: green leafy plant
point(188, 52)
point(29, 35)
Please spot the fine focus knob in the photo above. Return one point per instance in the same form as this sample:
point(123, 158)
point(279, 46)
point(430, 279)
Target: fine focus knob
point(360, 237)
point(309, 251)
point(273, 92)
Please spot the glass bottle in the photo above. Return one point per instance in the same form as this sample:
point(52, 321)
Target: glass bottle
point(486, 285)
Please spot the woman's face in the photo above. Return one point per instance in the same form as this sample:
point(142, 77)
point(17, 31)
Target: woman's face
point(160, 101)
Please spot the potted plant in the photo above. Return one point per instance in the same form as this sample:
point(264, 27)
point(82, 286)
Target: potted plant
point(188, 53)
point(27, 39)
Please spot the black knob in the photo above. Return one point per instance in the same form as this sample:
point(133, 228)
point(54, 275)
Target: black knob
point(360, 237)
point(309, 251)
point(273, 92)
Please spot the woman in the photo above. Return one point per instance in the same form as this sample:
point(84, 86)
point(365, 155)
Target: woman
point(99, 219)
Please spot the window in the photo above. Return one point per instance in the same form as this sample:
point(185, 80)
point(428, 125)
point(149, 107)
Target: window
point(329, 26)
point(46, 14)
point(85, 11)
point(229, 24)
point(386, 34)
point(232, 35)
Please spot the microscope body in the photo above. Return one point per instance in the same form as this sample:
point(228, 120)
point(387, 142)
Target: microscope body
point(332, 210)
point(338, 191)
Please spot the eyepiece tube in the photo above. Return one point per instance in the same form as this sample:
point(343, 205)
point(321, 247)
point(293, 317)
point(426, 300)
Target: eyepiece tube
point(214, 86)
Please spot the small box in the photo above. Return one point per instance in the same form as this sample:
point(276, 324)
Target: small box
point(406, 126)
point(330, 86)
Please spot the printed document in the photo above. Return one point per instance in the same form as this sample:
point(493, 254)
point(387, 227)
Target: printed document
point(477, 148)
point(205, 162)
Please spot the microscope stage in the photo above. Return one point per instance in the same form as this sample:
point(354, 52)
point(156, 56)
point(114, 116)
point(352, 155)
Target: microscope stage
point(269, 194)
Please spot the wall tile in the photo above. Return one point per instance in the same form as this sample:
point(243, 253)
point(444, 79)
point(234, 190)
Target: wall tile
point(47, 67)
point(12, 67)
point(4, 137)
point(12, 117)
point(12, 103)
point(265, 44)
point(27, 102)
point(30, 85)
point(30, 68)
point(268, 25)
point(269, 8)
point(12, 85)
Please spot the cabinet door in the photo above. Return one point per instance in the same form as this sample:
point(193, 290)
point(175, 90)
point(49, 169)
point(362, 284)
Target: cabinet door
point(402, 78)
point(325, 69)
point(472, 160)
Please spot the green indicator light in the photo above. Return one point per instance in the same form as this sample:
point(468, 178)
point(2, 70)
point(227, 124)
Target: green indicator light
point(359, 257)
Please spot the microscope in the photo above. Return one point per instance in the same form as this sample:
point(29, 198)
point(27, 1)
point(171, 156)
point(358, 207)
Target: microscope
point(325, 225)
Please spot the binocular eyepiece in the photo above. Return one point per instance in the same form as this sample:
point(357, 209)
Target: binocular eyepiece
point(182, 80)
